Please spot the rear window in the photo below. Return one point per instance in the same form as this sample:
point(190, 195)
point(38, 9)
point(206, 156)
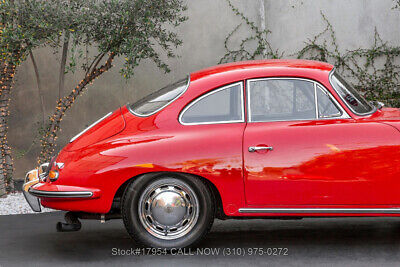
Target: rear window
point(159, 99)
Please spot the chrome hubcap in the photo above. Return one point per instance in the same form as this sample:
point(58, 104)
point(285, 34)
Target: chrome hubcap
point(168, 209)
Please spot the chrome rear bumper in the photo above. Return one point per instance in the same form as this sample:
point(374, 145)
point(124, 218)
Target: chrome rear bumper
point(55, 194)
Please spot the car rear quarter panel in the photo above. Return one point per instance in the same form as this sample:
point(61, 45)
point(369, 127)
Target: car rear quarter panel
point(155, 144)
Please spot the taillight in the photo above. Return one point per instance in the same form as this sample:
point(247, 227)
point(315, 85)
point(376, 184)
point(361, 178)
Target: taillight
point(53, 175)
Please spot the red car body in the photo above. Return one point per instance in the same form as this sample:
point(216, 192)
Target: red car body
point(323, 167)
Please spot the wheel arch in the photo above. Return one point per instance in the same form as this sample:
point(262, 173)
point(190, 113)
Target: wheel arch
point(219, 212)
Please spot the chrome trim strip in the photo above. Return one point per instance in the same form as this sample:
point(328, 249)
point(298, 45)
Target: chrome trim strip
point(161, 108)
point(341, 98)
point(51, 194)
point(59, 165)
point(321, 210)
point(210, 93)
point(90, 126)
point(344, 115)
point(316, 101)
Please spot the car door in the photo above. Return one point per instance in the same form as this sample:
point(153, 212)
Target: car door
point(210, 141)
point(297, 152)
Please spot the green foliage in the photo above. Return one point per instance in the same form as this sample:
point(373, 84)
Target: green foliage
point(23, 26)
point(135, 30)
point(374, 70)
point(396, 4)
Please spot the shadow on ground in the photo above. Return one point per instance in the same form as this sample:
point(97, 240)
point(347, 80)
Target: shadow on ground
point(26, 239)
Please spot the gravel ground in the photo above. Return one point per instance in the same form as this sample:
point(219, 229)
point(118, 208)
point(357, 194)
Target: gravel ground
point(16, 204)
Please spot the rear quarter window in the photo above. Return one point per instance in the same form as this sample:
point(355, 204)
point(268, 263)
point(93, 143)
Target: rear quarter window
point(222, 105)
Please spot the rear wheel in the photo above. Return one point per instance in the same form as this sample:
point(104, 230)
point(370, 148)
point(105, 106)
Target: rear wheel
point(167, 211)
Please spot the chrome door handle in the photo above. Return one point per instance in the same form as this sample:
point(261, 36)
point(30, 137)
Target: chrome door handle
point(257, 148)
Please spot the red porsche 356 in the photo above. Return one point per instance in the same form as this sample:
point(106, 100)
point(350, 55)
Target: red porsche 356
point(270, 138)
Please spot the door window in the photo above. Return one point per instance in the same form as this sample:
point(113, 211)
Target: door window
point(287, 99)
point(281, 100)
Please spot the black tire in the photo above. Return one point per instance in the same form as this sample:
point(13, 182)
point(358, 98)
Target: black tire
point(135, 226)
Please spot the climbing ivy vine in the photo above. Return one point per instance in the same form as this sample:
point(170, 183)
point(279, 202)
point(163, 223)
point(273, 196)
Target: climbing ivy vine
point(374, 70)
point(258, 36)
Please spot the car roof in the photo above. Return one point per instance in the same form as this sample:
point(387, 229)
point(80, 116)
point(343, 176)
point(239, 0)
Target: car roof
point(255, 66)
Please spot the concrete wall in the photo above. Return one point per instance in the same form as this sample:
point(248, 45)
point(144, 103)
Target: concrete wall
point(210, 21)
point(354, 21)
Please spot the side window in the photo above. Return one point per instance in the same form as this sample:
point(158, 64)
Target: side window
point(281, 99)
point(326, 107)
point(223, 105)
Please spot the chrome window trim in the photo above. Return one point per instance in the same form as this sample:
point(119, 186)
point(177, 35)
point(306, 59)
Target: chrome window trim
point(161, 108)
point(89, 127)
point(316, 101)
point(321, 210)
point(344, 115)
point(210, 93)
point(344, 101)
